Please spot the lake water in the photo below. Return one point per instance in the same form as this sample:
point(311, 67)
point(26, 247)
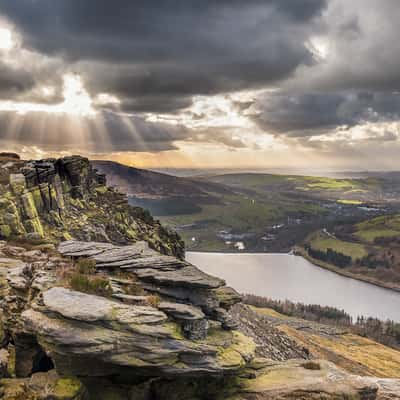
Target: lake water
point(284, 276)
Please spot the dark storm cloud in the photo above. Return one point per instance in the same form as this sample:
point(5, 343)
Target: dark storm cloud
point(308, 114)
point(14, 81)
point(145, 51)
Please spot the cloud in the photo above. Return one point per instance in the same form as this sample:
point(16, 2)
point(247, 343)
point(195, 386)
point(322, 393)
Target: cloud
point(14, 80)
point(310, 114)
point(321, 74)
point(155, 55)
point(359, 40)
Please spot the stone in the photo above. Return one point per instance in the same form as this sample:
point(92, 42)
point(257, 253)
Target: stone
point(5, 231)
point(13, 156)
point(4, 357)
point(87, 334)
point(17, 183)
point(130, 299)
point(29, 205)
point(74, 248)
point(137, 255)
point(89, 308)
point(35, 227)
point(227, 296)
point(188, 276)
point(181, 311)
point(57, 199)
point(167, 276)
point(19, 277)
point(192, 319)
point(290, 380)
point(43, 386)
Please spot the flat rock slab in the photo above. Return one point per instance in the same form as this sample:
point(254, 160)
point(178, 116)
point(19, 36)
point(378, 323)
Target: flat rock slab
point(154, 261)
point(17, 278)
point(106, 255)
point(75, 248)
point(116, 254)
point(181, 311)
point(189, 276)
point(294, 379)
point(90, 308)
point(10, 262)
point(146, 263)
point(130, 299)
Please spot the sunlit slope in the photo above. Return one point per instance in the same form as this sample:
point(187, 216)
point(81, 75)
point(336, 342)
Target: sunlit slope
point(351, 352)
point(372, 246)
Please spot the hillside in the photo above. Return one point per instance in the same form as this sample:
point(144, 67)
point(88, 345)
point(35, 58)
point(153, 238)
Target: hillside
point(255, 211)
point(354, 353)
point(367, 250)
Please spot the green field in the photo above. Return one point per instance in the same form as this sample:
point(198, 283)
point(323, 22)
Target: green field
point(321, 241)
point(383, 226)
point(330, 183)
point(255, 202)
point(349, 202)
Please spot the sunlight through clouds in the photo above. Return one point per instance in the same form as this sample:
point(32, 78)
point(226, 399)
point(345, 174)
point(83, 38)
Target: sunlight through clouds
point(6, 40)
point(77, 100)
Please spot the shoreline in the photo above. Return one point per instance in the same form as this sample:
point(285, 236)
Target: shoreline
point(300, 251)
point(239, 254)
point(321, 264)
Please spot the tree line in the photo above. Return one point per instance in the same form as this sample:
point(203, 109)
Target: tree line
point(330, 256)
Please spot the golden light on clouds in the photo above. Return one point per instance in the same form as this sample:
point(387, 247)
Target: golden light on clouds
point(6, 39)
point(77, 101)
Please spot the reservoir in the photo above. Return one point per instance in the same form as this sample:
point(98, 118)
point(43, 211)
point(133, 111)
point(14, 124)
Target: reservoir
point(284, 276)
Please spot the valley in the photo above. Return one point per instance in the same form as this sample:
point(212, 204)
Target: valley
point(354, 219)
point(100, 301)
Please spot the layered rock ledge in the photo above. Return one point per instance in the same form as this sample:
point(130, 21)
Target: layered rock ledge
point(88, 335)
point(61, 199)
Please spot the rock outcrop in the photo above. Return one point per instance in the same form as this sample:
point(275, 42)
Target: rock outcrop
point(88, 335)
point(157, 350)
point(59, 199)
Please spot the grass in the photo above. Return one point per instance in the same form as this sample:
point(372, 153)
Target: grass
point(354, 353)
point(90, 284)
point(322, 183)
point(323, 242)
point(239, 213)
point(383, 226)
point(371, 235)
point(350, 202)
point(154, 301)
point(82, 277)
point(86, 266)
point(254, 202)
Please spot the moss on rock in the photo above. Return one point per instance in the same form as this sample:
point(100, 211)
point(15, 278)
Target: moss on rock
point(69, 388)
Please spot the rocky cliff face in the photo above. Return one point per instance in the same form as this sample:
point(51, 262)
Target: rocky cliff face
point(97, 302)
point(61, 199)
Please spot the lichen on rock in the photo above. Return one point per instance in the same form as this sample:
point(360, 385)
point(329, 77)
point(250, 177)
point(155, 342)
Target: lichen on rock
point(54, 199)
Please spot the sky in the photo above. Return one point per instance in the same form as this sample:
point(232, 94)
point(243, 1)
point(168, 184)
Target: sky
point(203, 84)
